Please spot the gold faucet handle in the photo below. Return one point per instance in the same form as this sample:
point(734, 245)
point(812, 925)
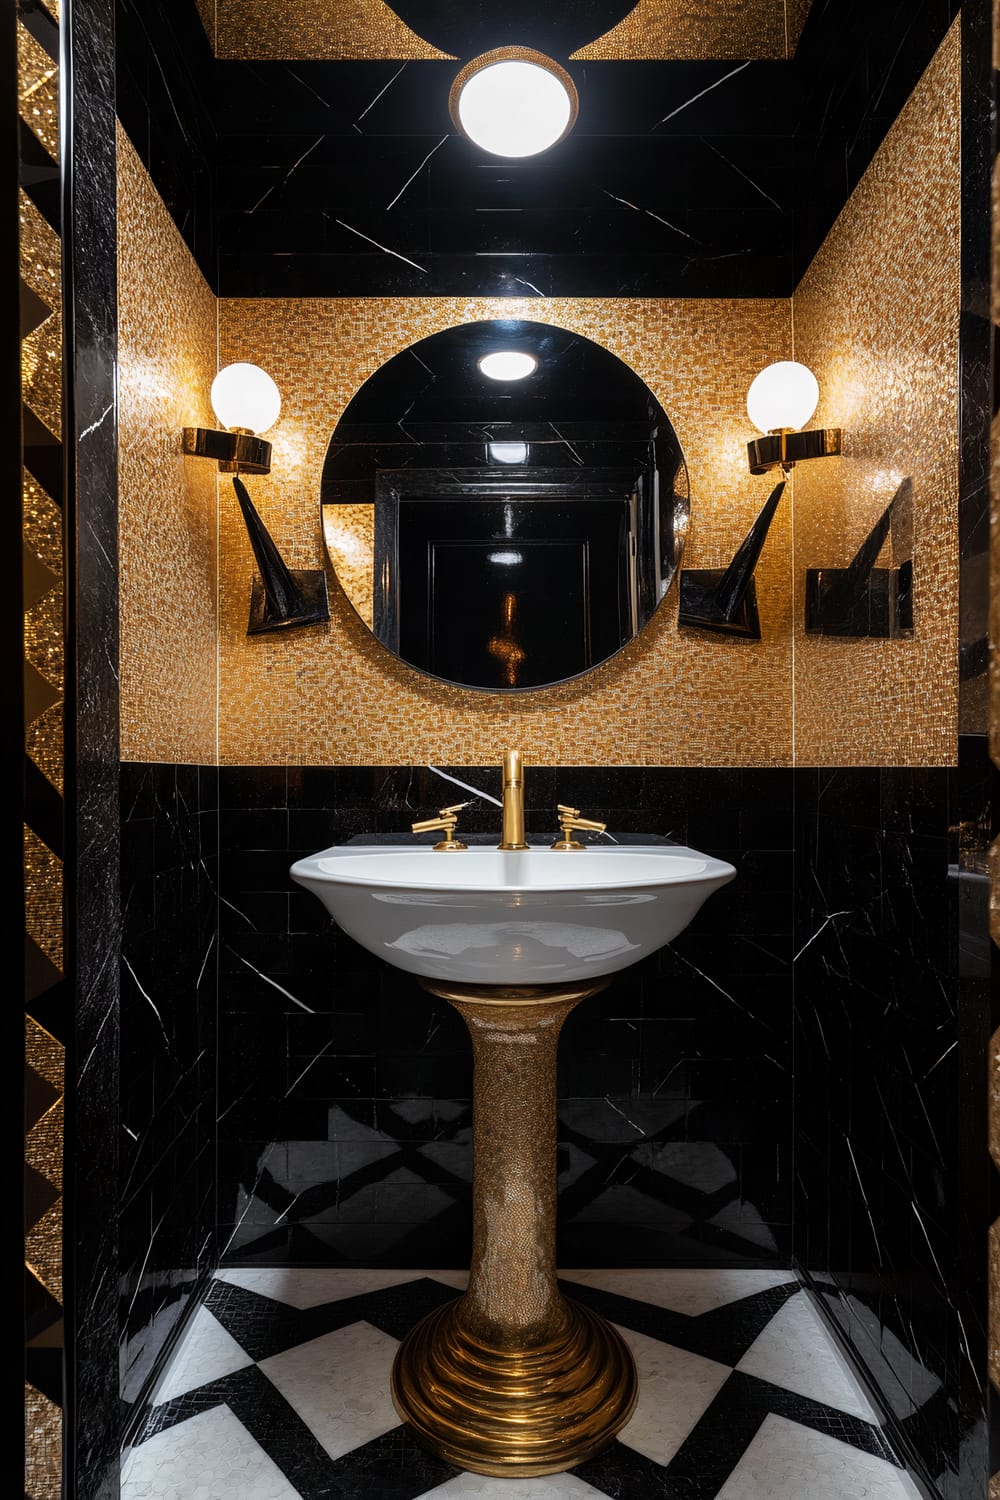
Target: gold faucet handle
point(570, 822)
point(446, 819)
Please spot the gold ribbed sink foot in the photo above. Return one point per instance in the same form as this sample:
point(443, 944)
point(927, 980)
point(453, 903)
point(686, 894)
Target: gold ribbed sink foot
point(509, 1411)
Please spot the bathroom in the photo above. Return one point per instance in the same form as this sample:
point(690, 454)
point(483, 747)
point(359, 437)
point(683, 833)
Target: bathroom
point(249, 1141)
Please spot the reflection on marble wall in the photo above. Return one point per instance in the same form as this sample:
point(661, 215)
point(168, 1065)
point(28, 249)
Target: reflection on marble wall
point(876, 319)
point(333, 694)
point(167, 362)
point(889, 1170)
point(168, 1025)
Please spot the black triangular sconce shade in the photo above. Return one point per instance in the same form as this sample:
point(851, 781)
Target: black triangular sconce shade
point(862, 600)
point(282, 597)
point(724, 600)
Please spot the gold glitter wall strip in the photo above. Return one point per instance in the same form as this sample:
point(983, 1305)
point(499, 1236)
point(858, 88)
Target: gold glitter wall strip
point(42, 724)
point(665, 29)
point(876, 319)
point(367, 29)
point(167, 527)
point(38, 91)
point(333, 694)
point(42, 1443)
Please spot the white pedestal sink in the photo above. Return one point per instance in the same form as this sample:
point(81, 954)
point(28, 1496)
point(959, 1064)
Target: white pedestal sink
point(534, 916)
point(512, 1378)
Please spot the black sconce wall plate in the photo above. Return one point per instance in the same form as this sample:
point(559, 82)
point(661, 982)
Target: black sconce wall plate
point(724, 600)
point(862, 600)
point(282, 597)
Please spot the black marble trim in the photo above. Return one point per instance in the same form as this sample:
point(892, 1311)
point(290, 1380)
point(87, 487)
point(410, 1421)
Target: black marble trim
point(94, 1415)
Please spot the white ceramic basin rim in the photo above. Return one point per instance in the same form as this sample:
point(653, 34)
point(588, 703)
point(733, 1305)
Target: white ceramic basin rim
point(533, 916)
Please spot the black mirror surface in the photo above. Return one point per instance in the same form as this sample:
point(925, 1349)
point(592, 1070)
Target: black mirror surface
point(505, 534)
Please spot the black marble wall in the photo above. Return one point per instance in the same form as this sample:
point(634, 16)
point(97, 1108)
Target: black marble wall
point(880, 1225)
point(680, 178)
point(168, 1025)
point(92, 844)
point(344, 1111)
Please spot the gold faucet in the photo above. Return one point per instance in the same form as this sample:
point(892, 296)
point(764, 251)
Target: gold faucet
point(446, 819)
point(512, 834)
point(570, 821)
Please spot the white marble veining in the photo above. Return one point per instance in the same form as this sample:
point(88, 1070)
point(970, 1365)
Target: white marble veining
point(675, 1388)
point(339, 1385)
point(796, 1351)
point(208, 1457)
point(789, 1462)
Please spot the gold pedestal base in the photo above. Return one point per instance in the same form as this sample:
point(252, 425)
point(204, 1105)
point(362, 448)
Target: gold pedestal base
point(514, 1412)
point(513, 1378)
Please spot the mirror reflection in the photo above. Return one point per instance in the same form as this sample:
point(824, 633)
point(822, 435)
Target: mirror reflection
point(504, 504)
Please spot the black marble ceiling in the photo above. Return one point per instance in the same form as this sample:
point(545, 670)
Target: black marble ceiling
point(680, 178)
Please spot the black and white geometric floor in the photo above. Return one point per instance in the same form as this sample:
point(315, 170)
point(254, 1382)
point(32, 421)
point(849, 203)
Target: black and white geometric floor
point(280, 1390)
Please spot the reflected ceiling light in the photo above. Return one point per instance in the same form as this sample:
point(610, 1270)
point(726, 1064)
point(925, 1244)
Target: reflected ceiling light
point(506, 559)
point(513, 102)
point(780, 401)
point(508, 364)
point(508, 453)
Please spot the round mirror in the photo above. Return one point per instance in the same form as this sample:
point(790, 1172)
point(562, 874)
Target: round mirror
point(504, 504)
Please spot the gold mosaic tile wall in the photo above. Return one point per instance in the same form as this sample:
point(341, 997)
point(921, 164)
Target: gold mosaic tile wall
point(664, 29)
point(876, 319)
point(333, 695)
point(315, 28)
point(167, 361)
point(655, 29)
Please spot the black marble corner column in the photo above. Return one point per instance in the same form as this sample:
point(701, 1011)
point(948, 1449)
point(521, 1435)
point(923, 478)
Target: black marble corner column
point(92, 862)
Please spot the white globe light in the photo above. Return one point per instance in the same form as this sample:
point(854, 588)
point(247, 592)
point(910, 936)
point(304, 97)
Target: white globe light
point(784, 395)
point(509, 453)
point(508, 364)
point(515, 108)
point(246, 396)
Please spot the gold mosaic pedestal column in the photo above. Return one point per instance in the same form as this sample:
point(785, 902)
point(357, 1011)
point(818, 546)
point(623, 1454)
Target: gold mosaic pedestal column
point(513, 1378)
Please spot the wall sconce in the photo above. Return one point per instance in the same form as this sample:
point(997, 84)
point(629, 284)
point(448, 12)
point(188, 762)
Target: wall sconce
point(725, 599)
point(780, 401)
point(862, 600)
point(246, 401)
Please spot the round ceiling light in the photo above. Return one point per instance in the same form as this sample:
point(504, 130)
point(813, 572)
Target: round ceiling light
point(514, 102)
point(508, 364)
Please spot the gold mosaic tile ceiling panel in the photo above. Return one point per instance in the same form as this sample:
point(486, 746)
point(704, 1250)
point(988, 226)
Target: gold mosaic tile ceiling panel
point(361, 29)
point(370, 29)
point(333, 695)
point(167, 362)
point(876, 319)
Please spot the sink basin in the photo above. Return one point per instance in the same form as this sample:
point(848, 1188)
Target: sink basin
point(530, 917)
